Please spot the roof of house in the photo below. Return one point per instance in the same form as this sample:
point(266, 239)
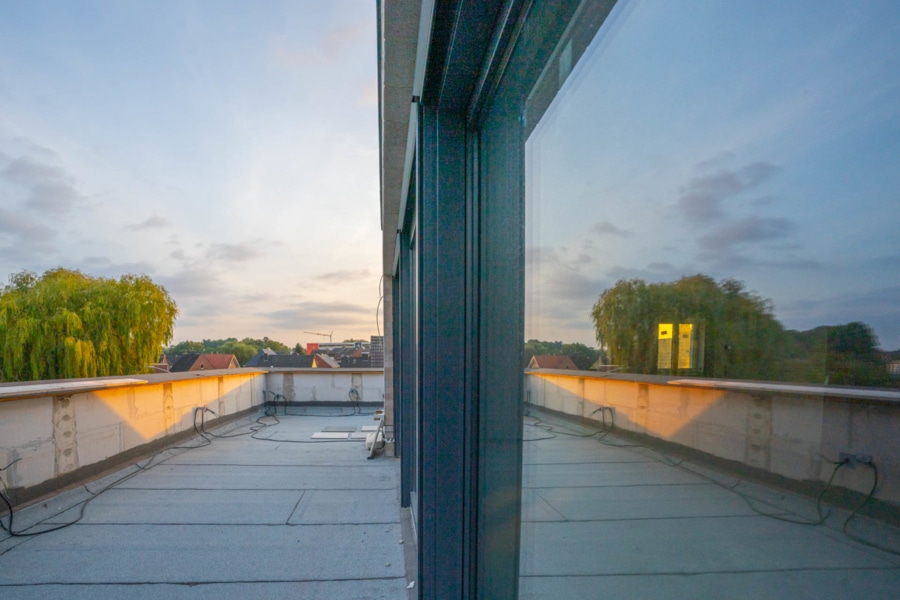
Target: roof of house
point(551, 361)
point(183, 362)
point(323, 361)
point(281, 361)
point(221, 361)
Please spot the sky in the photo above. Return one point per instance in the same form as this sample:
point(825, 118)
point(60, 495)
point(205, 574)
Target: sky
point(227, 149)
point(755, 141)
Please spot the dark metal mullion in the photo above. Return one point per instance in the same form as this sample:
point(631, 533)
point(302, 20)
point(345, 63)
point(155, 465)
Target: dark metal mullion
point(442, 235)
point(473, 360)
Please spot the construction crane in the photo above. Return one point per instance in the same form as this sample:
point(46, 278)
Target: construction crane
point(328, 335)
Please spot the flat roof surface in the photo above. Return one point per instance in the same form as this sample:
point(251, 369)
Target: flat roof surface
point(614, 519)
point(283, 516)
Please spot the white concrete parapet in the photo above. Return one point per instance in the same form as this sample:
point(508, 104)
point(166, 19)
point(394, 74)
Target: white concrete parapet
point(785, 429)
point(51, 429)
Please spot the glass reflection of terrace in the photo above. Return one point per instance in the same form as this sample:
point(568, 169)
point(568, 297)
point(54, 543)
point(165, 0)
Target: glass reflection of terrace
point(711, 196)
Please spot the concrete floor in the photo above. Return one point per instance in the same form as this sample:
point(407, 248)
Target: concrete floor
point(276, 519)
point(238, 518)
point(610, 520)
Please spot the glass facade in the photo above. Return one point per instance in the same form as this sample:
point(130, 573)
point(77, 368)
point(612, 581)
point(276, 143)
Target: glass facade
point(695, 205)
point(711, 204)
point(713, 192)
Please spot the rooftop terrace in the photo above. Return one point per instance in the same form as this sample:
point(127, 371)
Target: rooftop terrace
point(607, 517)
point(259, 508)
point(270, 514)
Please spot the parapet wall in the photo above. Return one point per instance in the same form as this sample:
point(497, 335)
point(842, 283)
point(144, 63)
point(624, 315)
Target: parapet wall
point(55, 431)
point(325, 386)
point(786, 430)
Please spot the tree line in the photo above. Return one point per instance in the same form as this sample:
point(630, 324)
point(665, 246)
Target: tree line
point(583, 356)
point(729, 332)
point(243, 350)
point(66, 324)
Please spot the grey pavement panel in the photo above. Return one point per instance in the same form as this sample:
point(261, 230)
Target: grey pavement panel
point(687, 545)
point(566, 453)
point(347, 506)
point(357, 589)
point(345, 429)
point(330, 435)
point(535, 508)
point(264, 453)
point(578, 451)
point(837, 584)
point(645, 502)
point(30, 518)
point(233, 507)
point(197, 554)
point(287, 477)
point(604, 474)
point(8, 543)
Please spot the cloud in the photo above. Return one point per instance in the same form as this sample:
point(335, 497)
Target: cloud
point(151, 222)
point(193, 283)
point(701, 199)
point(25, 237)
point(559, 279)
point(879, 308)
point(233, 253)
point(309, 314)
point(102, 266)
point(49, 189)
point(607, 228)
point(746, 231)
point(24, 229)
point(344, 276)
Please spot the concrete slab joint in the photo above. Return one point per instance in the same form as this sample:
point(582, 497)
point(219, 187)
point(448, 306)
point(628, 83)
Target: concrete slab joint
point(221, 396)
point(643, 407)
point(288, 387)
point(65, 438)
point(759, 433)
point(168, 408)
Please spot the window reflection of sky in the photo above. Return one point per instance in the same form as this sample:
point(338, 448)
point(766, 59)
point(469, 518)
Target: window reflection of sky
point(747, 140)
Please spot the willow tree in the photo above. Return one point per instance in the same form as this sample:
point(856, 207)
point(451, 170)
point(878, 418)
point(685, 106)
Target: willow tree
point(738, 335)
point(67, 324)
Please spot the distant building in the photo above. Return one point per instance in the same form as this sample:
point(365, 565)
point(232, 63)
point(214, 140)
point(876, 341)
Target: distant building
point(266, 359)
point(551, 361)
point(163, 365)
point(376, 351)
point(195, 361)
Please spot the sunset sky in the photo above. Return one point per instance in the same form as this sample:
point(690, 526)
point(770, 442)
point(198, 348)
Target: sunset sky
point(755, 141)
point(227, 149)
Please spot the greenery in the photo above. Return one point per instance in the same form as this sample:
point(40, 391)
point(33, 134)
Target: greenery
point(737, 328)
point(583, 356)
point(66, 324)
point(735, 335)
point(243, 350)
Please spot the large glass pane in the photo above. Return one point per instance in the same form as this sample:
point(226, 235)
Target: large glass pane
point(712, 198)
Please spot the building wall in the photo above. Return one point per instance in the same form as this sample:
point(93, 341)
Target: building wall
point(325, 385)
point(52, 440)
point(50, 437)
point(792, 435)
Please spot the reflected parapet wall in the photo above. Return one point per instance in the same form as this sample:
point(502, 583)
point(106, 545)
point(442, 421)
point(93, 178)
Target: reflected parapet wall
point(792, 431)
